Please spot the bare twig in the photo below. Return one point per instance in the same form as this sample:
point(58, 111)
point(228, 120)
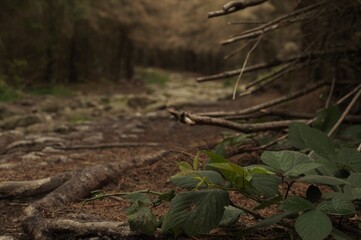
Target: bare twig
point(328, 101)
point(282, 21)
point(234, 6)
point(276, 62)
point(268, 104)
point(109, 145)
point(345, 113)
point(348, 95)
point(244, 66)
point(193, 119)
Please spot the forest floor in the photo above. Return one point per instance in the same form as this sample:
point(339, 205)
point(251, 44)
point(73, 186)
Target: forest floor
point(108, 137)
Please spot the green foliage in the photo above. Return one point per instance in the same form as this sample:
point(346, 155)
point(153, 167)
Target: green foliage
point(54, 90)
point(205, 204)
point(153, 76)
point(196, 212)
point(313, 225)
point(8, 93)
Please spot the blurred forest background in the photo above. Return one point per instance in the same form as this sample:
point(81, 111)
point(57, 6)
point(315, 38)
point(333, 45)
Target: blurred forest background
point(46, 42)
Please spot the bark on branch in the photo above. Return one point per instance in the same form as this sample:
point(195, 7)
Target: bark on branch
point(193, 119)
point(265, 105)
point(276, 62)
point(234, 6)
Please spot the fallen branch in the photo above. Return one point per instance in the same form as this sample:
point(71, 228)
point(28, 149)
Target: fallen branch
point(345, 113)
point(296, 16)
point(109, 145)
point(276, 62)
point(234, 6)
point(267, 104)
point(193, 119)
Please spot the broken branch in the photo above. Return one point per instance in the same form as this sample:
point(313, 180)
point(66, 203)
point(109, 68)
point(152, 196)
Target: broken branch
point(193, 119)
point(234, 6)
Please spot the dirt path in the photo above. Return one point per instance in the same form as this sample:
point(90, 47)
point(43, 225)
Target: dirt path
point(56, 151)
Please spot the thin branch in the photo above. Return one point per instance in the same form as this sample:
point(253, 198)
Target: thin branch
point(348, 95)
point(271, 75)
point(109, 145)
point(234, 6)
point(276, 62)
point(193, 119)
point(268, 104)
point(244, 66)
point(345, 113)
point(295, 16)
point(237, 50)
point(328, 101)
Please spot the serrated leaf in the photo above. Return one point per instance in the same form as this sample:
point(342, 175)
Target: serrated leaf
point(296, 204)
point(266, 184)
point(317, 179)
point(291, 163)
point(338, 206)
point(338, 235)
point(353, 133)
point(196, 162)
point(138, 201)
point(190, 180)
point(196, 212)
point(295, 137)
point(349, 157)
point(355, 180)
point(313, 225)
point(302, 169)
point(327, 118)
point(143, 221)
point(230, 216)
point(231, 167)
point(184, 166)
point(302, 136)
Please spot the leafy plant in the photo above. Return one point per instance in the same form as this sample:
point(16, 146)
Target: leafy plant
point(206, 203)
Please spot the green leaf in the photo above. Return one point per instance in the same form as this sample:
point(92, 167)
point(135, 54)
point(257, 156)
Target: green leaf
point(215, 158)
point(295, 137)
point(184, 166)
point(327, 118)
point(276, 218)
point(296, 204)
point(302, 136)
point(269, 202)
point(352, 133)
point(291, 163)
point(143, 221)
point(338, 206)
point(302, 169)
point(191, 180)
point(196, 212)
point(355, 180)
point(338, 235)
point(230, 216)
point(266, 184)
point(313, 225)
point(317, 179)
point(196, 162)
point(138, 201)
point(350, 157)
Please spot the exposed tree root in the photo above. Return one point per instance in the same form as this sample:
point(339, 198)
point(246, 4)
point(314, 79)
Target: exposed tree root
point(40, 228)
point(22, 189)
point(70, 187)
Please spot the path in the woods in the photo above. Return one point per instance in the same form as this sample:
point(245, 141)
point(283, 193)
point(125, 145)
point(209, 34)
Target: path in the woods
point(44, 137)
